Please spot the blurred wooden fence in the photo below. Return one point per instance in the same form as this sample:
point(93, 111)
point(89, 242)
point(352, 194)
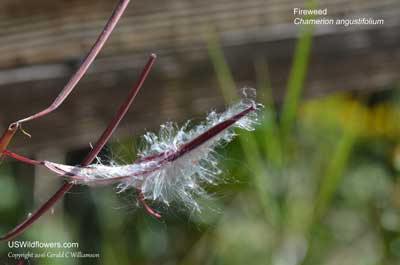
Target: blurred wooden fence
point(41, 43)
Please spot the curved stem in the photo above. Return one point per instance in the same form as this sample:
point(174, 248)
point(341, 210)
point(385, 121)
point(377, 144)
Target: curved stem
point(89, 158)
point(145, 205)
point(169, 157)
point(94, 51)
point(73, 81)
point(121, 111)
point(160, 159)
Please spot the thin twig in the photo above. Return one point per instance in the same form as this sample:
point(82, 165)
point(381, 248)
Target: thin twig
point(159, 159)
point(89, 158)
point(6, 137)
point(145, 205)
point(94, 51)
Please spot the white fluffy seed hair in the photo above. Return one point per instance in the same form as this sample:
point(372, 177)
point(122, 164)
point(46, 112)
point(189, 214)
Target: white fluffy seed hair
point(180, 179)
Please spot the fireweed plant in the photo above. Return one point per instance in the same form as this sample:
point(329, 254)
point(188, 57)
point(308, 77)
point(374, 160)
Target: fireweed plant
point(174, 163)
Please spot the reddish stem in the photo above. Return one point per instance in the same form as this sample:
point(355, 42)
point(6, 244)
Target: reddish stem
point(62, 172)
point(7, 136)
point(94, 51)
point(89, 158)
point(121, 111)
point(146, 206)
point(22, 158)
point(208, 134)
point(167, 156)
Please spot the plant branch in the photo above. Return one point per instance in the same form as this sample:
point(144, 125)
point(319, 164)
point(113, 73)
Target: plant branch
point(7, 136)
point(73, 81)
point(94, 51)
point(145, 205)
point(89, 158)
point(160, 159)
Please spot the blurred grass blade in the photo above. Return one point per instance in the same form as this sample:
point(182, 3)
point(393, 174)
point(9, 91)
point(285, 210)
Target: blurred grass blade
point(248, 142)
point(261, 179)
point(221, 68)
point(297, 75)
point(329, 184)
point(264, 84)
point(336, 167)
point(271, 139)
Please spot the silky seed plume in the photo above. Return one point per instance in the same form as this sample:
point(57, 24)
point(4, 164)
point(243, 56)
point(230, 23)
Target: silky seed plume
point(175, 163)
